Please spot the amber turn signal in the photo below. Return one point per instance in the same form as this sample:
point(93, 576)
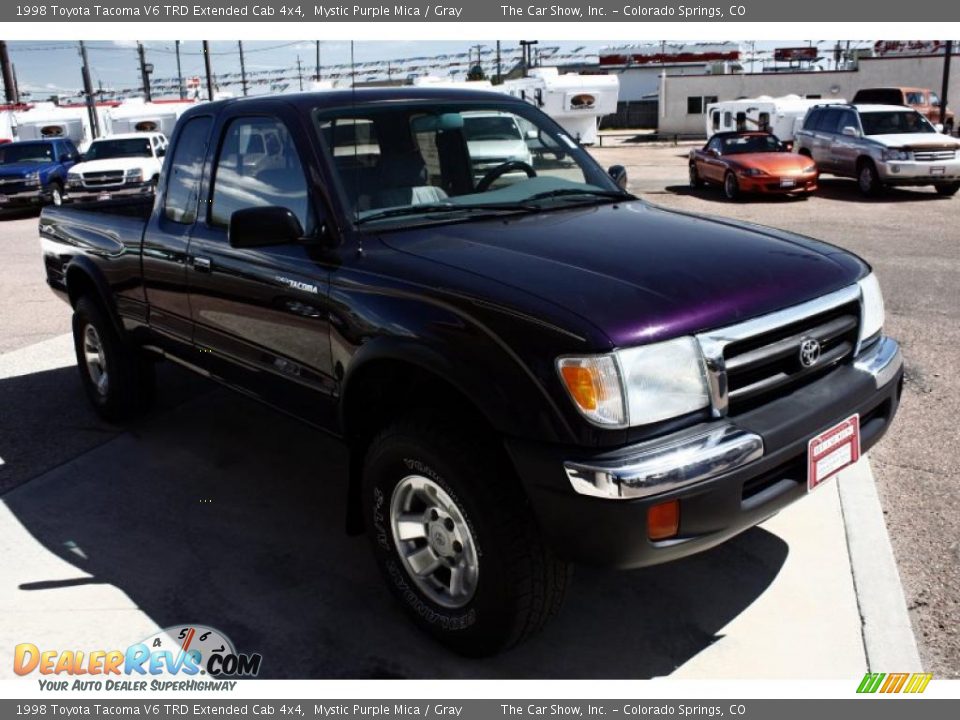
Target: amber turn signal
point(663, 520)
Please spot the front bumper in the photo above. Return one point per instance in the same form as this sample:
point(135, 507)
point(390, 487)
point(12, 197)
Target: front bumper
point(728, 475)
point(910, 172)
point(26, 198)
point(773, 184)
point(86, 194)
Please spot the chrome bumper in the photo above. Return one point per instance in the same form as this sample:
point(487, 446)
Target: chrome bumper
point(699, 454)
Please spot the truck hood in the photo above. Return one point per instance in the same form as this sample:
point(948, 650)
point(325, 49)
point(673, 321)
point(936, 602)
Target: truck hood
point(637, 272)
point(108, 164)
point(932, 141)
point(19, 170)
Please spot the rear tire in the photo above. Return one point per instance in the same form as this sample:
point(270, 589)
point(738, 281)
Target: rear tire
point(118, 379)
point(695, 180)
point(868, 180)
point(56, 194)
point(947, 189)
point(437, 501)
point(731, 188)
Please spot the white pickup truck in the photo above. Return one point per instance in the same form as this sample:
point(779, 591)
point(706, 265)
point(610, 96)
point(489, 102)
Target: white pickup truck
point(116, 166)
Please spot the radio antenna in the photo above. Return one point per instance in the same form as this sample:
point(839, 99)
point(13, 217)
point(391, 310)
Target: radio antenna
point(356, 151)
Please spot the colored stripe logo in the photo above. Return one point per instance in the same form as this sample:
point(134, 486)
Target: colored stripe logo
point(894, 683)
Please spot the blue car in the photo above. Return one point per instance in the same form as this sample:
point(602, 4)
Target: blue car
point(34, 172)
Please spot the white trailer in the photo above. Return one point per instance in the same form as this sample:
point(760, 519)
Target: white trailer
point(47, 121)
point(134, 116)
point(782, 116)
point(575, 101)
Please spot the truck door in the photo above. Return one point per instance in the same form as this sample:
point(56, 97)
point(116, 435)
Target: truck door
point(167, 237)
point(823, 135)
point(845, 149)
point(261, 314)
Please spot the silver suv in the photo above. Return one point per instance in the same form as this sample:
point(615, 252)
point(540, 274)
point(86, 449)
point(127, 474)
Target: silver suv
point(880, 145)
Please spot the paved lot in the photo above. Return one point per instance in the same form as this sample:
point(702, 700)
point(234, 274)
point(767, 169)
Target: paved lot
point(912, 238)
point(152, 549)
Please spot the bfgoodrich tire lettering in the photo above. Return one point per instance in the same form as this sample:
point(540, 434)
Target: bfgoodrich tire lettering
point(519, 584)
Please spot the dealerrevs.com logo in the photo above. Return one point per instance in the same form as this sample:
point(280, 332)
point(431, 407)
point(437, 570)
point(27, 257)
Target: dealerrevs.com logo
point(184, 657)
point(887, 683)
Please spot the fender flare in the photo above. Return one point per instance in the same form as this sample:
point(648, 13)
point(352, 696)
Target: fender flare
point(82, 265)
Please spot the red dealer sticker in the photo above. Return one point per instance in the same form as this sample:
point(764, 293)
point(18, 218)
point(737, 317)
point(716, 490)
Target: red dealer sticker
point(831, 451)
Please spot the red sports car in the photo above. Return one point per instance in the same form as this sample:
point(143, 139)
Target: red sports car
point(751, 162)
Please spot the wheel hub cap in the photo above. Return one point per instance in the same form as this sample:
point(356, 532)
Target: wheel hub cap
point(434, 542)
point(95, 359)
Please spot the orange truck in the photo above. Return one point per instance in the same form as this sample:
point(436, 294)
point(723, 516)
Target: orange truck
point(923, 100)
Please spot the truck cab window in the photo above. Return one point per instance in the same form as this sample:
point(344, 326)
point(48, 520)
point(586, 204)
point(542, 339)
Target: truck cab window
point(258, 165)
point(183, 185)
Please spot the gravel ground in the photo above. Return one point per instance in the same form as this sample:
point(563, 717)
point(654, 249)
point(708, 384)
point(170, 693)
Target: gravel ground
point(912, 239)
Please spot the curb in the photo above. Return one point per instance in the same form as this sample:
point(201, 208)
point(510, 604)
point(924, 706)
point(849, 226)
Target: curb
point(888, 638)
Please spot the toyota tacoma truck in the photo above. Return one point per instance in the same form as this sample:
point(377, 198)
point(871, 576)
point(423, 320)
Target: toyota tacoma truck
point(530, 370)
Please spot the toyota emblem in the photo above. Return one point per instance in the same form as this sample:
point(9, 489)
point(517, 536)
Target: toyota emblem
point(809, 352)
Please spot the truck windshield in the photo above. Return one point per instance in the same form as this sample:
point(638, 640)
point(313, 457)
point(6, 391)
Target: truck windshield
point(127, 147)
point(26, 153)
point(895, 122)
point(418, 161)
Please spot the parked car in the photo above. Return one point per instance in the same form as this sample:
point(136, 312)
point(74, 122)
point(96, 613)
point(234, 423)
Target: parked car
point(494, 139)
point(923, 100)
point(525, 376)
point(751, 162)
point(880, 146)
point(33, 172)
point(118, 165)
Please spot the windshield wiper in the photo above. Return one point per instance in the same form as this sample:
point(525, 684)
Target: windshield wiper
point(570, 192)
point(497, 208)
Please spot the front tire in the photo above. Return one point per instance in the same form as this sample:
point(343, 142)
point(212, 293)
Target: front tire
point(56, 194)
point(947, 189)
point(868, 180)
point(696, 182)
point(454, 537)
point(118, 380)
point(731, 188)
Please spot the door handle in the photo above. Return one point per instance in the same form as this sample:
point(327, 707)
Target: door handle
point(201, 264)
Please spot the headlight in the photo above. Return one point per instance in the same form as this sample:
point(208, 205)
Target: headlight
point(73, 180)
point(133, 175)
point(895, 155)
point(810, 169)
point(872, 302)
point(640, 385)
point(33, 179)
point(751, 172)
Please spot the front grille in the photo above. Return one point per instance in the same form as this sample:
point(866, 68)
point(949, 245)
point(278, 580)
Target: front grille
point(12, 185)
point(934, 155)
point(769, 363)
point(102, 179)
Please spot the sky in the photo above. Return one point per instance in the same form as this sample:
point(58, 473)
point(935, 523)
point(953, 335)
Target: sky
point(47, 68)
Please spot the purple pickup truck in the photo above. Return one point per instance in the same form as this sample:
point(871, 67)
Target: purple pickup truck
point(530, 367)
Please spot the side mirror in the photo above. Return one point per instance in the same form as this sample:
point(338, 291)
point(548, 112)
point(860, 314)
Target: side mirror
point(938, 127)
point(851, 131)
point(263, 226)
point(619, 175)
point(714, 152)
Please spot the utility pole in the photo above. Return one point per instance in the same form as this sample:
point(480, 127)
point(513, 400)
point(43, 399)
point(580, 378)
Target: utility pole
point(499, 78)
point(206, 64)
point(6, 70)
point(300, 73)
point(527, 46)
point(243, 68)
point(317, 74)
point(145, 70)
point(88, 93)
point(179, 72)
point(947, 57)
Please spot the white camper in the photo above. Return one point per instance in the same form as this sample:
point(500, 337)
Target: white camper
point(782, 116)
point(8, 124)
point(137, 116)
point(575, 101)
point(46, 121)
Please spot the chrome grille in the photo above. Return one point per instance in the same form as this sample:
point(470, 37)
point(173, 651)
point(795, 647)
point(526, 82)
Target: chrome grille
point(102, 179)
point(758, 360)
point(934, 155)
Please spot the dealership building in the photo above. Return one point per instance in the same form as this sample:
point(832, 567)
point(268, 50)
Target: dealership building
point(682, 98)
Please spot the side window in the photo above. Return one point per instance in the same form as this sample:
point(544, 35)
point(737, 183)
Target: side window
point(828, 121)
point(847, 119)
point(714, 144)
point(915, 98)
point(715, 120)
point(728, 119)
point(258, 165)
point(183, 183)
point(813, 117)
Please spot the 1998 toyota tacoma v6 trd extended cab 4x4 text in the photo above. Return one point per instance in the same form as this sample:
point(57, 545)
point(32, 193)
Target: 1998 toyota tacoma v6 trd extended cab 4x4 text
point(531, 368)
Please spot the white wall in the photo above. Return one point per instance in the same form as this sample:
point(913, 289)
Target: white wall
point(873, 72)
